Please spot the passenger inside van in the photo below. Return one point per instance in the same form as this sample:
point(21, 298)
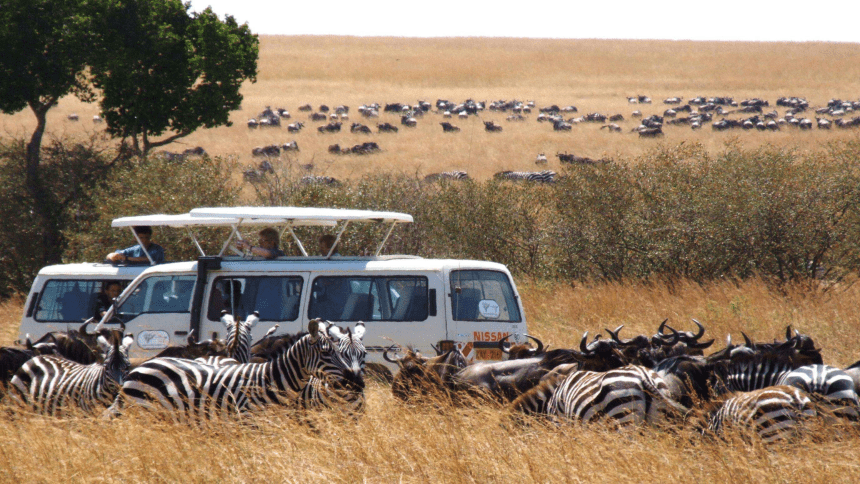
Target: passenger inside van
point(227, 295)
point(104, 300)
point(329, 296)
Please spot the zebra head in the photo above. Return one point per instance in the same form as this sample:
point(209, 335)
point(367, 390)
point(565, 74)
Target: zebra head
point(348, 354)
point(239, 335)
point(115, 350)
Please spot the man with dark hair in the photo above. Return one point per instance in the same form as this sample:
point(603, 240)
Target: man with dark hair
point(268, 248)
point(326, 243)
point(110, 291)
point(135, 254)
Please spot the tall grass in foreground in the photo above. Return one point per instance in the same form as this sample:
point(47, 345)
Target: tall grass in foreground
point(393, 442)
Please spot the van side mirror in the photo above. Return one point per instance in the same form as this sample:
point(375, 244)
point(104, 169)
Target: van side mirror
point(431, 299)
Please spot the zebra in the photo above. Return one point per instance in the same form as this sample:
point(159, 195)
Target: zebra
point(545, 176)
point(627, 395)
point(447, 175)
point(342, 388)
point(794, 362)
point(238, 340)
point(48, 383)
point(199, 391)
point(774, 412)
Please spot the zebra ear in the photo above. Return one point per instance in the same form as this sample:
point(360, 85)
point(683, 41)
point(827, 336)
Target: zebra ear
point(252, 319)
point(336, 331)
point(314, 327)
point(359, 330)
point(227, 319)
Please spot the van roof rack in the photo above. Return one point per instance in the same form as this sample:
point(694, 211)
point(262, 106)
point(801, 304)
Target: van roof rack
point(286, 217)
point(307, 216)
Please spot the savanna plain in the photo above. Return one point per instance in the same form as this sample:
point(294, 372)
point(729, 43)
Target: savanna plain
point(396, 442)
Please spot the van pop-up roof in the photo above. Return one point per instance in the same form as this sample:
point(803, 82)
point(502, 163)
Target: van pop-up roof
point(286, 217)
point(294, 216)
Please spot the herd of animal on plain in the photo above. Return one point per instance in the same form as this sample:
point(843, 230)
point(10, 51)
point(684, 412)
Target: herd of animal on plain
point(723, 113)
point(770, 389)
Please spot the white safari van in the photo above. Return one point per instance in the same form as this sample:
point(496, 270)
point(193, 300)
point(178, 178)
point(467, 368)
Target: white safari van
point(401, 299)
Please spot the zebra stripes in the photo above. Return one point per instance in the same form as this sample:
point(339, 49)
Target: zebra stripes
point(193, 390)
point(626, 395)
point(835, 386)
point(774, 412)
point(545, 176)
point(49, 383)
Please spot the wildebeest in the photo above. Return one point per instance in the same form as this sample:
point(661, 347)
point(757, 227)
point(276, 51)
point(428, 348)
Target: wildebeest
point(449, 128)
point(359, 128)
point(492, 127)
point(295, 127)
point(386, 128)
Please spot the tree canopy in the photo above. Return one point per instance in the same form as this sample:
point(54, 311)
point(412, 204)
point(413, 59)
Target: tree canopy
point(168, 71)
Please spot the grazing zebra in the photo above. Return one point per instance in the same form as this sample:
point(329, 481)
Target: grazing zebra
point(190, 389)
point(545, 176)
point(447, 175)
point(773, 412)
point(630, 394)
point(48, 383)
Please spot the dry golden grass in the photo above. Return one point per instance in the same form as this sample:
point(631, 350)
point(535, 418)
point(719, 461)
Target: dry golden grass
point(594, 75)
point(394, 442)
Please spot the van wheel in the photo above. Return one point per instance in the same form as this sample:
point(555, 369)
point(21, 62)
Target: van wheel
point(379, 372)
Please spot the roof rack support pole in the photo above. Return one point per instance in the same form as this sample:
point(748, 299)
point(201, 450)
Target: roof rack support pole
point(193, 238)
point(145, 252)
point(233, 232)
point(337, 239)
point(388, 234)
point(298, 242)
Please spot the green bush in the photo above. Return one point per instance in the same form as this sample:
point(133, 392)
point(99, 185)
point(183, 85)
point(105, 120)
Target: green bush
point(677, 212)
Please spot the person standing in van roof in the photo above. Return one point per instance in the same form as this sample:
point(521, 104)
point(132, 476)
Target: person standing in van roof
point(268, 248)
point(326, 243)
point(135, 254)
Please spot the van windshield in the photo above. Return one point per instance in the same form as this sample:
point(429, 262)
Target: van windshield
point(159, 294)
point(276, 298)
point(483, 296)
point(395, 298)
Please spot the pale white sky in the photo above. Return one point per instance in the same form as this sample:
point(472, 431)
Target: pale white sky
point(748, 20)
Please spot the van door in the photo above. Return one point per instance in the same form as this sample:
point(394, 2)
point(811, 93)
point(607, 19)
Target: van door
point(395, 308)
point(157, 312)
point(484, 308)
point(276, 297)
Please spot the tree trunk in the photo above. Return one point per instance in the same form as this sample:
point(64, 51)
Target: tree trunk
point(42, 201)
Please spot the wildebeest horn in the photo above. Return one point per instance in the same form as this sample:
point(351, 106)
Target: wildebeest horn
point(669, 340)
point(505, 350)
point(83, 328)
point(539, 343)
point(788, 332)
point(582, 344)
point(436, 349)
point(662, 325)
point(388, 358)
point(190, 340)
point(700, 346)
point(747, 341)
point(614, 334)
point(701, 330)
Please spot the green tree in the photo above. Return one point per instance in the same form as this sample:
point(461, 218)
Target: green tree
point(46, 50)
point(166, 71)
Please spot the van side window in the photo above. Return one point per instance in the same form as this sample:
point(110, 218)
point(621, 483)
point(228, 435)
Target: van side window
point(395, 298)
point(159, 294)
point(67, 300)
point(275, 298)
point(483, 296)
